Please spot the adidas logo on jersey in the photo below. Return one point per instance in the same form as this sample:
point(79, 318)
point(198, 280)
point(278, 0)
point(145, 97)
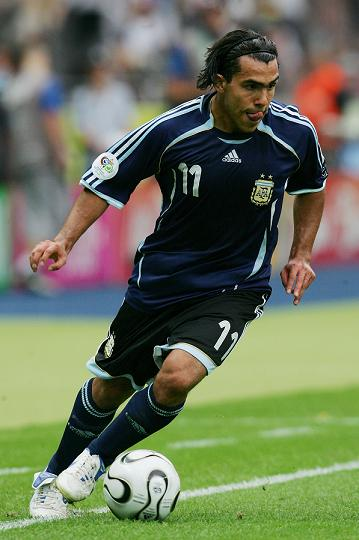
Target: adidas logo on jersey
point(232, 157)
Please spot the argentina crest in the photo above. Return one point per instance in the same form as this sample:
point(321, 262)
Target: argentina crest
point(263, 190)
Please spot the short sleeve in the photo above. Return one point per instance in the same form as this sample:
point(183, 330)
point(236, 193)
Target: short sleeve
point(312, 172)
point(115, 173)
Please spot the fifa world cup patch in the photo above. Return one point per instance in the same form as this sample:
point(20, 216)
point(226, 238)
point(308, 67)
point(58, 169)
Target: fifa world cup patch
point(262, 191)
point(105, 166)
point(110, 343)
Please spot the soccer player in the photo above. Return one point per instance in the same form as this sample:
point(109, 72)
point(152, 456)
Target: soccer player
point(223, 162)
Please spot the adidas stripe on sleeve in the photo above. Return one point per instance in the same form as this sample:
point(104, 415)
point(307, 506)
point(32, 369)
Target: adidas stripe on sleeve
point(312, 173)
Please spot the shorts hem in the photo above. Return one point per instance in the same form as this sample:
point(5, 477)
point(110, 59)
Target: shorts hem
point(102, 374)
point(201, 356)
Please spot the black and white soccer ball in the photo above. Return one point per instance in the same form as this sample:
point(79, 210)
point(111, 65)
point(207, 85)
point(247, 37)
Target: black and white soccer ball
point(141, 484)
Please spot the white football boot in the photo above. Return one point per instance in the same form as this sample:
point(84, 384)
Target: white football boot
point(79, 480)
point(47, 502)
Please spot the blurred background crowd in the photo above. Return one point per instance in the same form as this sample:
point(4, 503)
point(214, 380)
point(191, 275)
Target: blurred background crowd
point(77, 74)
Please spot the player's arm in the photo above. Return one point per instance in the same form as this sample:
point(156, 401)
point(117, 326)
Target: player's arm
point(87, 208)
point(297, 274)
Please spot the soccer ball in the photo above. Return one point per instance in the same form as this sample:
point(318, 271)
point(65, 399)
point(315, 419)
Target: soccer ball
point(141, 484)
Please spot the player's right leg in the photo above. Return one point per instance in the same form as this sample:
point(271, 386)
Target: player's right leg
point(88, 418)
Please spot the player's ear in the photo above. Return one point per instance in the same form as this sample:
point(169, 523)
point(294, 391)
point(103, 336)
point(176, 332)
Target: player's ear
point(219, 83)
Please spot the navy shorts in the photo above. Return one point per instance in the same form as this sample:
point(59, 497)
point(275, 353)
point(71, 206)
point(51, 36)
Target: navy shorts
point(137, 343)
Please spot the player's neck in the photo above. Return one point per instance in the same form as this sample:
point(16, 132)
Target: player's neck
point(222, 120)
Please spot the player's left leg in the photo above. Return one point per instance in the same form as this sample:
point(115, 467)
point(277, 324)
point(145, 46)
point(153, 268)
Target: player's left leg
point(94, 408)
point(148, 411)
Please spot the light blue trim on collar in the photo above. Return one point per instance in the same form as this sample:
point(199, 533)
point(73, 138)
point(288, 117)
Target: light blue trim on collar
point(235, 141)
point(201, 102)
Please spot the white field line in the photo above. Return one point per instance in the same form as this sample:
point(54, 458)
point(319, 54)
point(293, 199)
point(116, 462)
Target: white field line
point(14, 470)
point(271, 480)
point(256, 421)
point(215, 490)
point(202, 443)
point(286, 432)
point(351, 421)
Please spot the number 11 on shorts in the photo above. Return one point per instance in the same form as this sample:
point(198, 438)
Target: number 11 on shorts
point(226, 327)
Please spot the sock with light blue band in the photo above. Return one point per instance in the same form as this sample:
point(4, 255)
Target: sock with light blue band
point(85, 423)
point(141, 417)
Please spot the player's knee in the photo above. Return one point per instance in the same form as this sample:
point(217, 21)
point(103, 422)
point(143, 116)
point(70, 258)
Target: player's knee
point(179, 373)
point(170, 385)
point(110, 393)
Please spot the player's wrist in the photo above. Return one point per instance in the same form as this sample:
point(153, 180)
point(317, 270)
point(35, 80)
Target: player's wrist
point(64, 242)
point(300, 254)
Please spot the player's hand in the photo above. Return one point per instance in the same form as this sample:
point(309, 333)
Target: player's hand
point(48, 250)
point(297, 276)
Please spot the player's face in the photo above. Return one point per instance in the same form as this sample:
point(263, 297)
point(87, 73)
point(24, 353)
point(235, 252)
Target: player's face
point(240, 104)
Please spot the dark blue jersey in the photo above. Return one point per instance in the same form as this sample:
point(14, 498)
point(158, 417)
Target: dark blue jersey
point(222, 197)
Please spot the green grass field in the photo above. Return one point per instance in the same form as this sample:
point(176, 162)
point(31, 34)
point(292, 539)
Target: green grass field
point(285, 403)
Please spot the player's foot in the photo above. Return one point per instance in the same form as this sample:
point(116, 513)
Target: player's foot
point(78, 481)
point(47, 502)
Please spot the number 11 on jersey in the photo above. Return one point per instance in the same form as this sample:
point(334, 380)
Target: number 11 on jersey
point(196, 171)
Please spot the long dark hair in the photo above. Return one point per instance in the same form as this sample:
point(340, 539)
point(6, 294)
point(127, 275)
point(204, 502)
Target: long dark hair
point(222, 57)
